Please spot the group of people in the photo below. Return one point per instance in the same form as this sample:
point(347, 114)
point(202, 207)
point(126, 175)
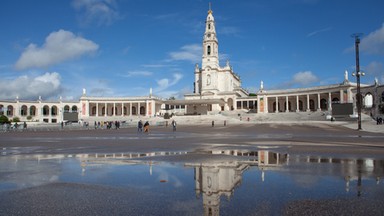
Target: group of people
point(107, 124)
point(8, 126)
point(379, 121)
point(140, 126)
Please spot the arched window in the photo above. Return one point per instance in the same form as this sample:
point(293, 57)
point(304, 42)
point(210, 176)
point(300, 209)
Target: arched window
point(66, 108)
point(312, 105)
point(103, 111)
point(54, 110)
point(74, 108)
point(24, 110)
point(46, 110)
point(142, 110)
point(209, 26)
point(209, 50)
point(323, 104)
point(368, 100)
point(32, 111)
point(382, 96)
point(10, 110)
point(335, 100)
point(301, 107)
point(133, 110)
point(208, 79)
point(1, 109)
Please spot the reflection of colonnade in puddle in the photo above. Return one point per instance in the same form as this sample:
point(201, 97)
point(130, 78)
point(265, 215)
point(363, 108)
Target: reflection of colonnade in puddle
point(121, 158)
point(350, 169)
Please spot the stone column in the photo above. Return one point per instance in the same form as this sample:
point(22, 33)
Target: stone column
point(318, 102)
point(88, 110)
point(265, 104)
point(341, 96)
point(114, 109)
point(153, 108)
point(297, 103)
point(97, 109)
point(122, 109)
point(286, 104)
point(350, 96)
point(106, 109)
point(277, 105)
point(308, 107)
point(130, 109)
point(138, 109)
point(329, 101)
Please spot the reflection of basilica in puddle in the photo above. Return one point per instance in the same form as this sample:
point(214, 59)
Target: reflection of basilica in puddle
point(219, 178)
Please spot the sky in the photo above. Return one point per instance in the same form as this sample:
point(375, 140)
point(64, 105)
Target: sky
point(122, 48)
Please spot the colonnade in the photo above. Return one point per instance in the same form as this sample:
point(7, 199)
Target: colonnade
point(96, 107)
point(302, 102)
point(49, 112)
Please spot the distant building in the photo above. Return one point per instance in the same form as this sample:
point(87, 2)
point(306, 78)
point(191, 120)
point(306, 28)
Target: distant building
point(216, 89)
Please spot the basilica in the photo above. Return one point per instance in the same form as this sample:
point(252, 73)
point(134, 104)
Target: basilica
point(217, 89)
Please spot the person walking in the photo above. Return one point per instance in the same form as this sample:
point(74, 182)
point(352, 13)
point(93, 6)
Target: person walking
point(174, 125)
point(146, 127)
point(140, 126)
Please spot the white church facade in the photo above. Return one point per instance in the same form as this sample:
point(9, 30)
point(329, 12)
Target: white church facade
point(216, 89)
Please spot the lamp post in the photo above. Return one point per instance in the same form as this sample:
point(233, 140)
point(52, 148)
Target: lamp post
point(358, 73)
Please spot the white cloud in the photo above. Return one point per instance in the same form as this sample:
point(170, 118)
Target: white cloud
point(47, 85)
point(319, 31)
point(229, 30)
point(58, 47)
point(192, 53)
point(158, 65)
point(299, 79)
point(165, 83)
point(374, 42)
point(137, 73)
point(375, 69)
point(104, 12)
point(304, 78)
point(101, 91)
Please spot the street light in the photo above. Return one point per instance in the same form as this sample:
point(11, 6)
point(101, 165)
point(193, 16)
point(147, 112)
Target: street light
point(358, 73)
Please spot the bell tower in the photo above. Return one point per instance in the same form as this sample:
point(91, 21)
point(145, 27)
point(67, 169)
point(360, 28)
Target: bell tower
point(210, 43)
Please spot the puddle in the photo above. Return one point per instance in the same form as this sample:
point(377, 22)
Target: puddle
point(249, 183)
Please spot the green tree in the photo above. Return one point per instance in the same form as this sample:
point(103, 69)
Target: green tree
point(16, 119)
point(3, 119)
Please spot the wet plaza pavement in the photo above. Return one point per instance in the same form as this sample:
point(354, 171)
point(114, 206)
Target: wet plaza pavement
point(220, 173)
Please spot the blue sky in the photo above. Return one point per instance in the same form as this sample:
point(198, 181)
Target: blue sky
point(125, 47)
